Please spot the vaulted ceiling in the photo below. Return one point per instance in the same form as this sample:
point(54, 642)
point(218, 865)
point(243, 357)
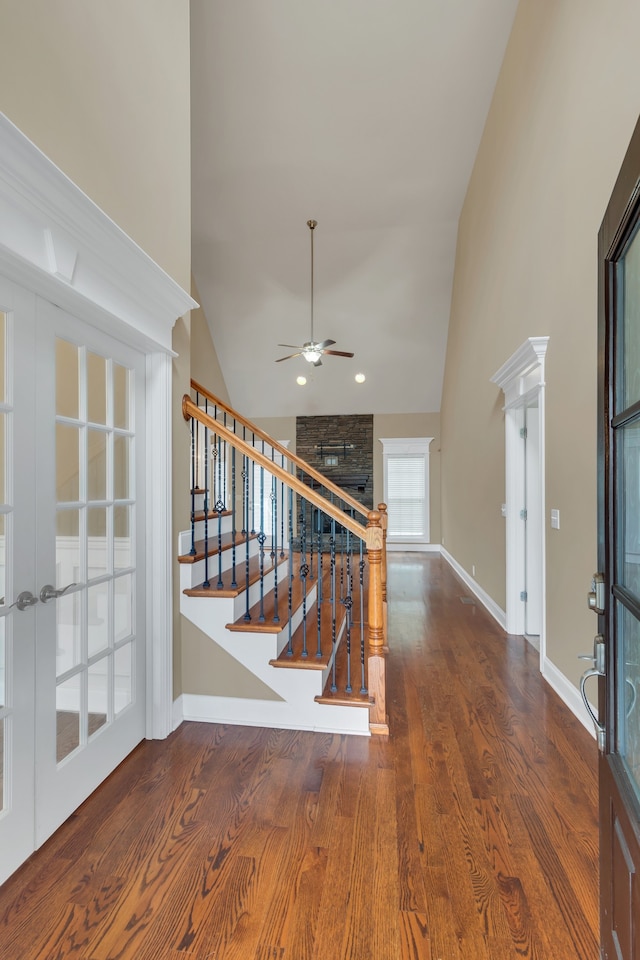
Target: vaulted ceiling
point(365, 115)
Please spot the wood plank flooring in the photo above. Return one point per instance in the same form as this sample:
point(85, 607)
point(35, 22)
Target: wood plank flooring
point(469, 834)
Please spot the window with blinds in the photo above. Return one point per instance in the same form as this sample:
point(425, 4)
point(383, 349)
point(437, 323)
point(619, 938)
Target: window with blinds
point(406, 492)
point(406, 489)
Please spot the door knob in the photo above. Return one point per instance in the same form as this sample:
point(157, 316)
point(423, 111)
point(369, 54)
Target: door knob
point(598, 670)
point(25, 599)
point(49, 592)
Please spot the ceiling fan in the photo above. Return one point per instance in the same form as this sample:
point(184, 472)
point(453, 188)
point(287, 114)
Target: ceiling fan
point(313, 350)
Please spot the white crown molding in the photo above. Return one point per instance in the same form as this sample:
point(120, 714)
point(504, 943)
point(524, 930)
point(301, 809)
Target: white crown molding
point(60, 243)
point(523, 370)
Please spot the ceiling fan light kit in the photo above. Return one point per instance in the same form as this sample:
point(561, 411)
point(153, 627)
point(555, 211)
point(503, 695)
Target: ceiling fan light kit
point(312, 350)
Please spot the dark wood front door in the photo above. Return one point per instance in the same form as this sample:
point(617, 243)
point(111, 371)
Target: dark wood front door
point(619, 562)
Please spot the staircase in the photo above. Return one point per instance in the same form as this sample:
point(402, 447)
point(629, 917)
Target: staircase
point(279, 571)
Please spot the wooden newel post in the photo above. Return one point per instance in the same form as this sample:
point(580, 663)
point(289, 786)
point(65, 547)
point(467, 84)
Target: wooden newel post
point(377, 661)
point(374, 557)
point(384, 521)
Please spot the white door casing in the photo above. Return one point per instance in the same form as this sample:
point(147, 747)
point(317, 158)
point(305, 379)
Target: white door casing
point(522, 380)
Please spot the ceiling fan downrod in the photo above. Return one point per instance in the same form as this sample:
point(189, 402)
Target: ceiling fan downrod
point(312, 224)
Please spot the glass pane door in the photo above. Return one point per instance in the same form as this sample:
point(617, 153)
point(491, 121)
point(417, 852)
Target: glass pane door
point(627, 471)
point(91, 675)
point(17, 574)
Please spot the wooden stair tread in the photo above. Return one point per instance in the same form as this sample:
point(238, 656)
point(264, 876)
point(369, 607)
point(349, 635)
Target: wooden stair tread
point(227, 590)
point(227, 543)
point(269, 625)
point(341, 697)
point(213, 514)
point(312, 661)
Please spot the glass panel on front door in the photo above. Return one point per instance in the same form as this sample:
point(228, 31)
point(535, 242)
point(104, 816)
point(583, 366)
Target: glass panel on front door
point(94, 545)
point(626, 441)
point(5, 718)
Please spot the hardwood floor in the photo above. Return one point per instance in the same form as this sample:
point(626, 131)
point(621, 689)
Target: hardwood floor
point(470, 833)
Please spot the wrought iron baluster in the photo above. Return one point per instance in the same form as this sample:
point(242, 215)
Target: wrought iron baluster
point(197, 483)
point(290, 601)
point(320, 525)
point(205, 582)
point(332, 548)
point(282, 516)
point(363, 686)
point(253, 489)
point(219, 507)
point(319, 515)
point(304, 571)
point(348, 603)
point(192, 551)
point(247, 466)
point(261, 539)
point(274, 547)
point(311, 528)
point(234, 582)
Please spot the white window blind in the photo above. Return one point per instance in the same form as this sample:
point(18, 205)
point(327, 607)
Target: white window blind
point(406, 495)
point(406, 491)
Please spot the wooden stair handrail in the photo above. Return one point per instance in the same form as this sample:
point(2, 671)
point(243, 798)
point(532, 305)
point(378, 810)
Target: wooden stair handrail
point(190, 409)
point(302, 464)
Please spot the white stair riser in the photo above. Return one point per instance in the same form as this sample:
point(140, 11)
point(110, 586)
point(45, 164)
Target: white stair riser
point(321, 718)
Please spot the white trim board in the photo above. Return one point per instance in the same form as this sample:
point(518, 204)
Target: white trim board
point(487, 602)
point(403, 546)
point(569, 694)
point(278, 714)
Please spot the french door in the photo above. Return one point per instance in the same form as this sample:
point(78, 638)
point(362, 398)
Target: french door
point(615, 595)
point(72, 643)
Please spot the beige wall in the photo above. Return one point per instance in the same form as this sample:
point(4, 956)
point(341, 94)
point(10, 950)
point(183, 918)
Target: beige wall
point(564, 109)
point(205, 367)
point(103, 90)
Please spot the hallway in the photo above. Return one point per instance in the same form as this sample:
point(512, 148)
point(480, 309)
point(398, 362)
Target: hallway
point(471, 833)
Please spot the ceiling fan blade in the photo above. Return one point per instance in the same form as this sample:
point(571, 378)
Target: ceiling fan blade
point(318, 362)
point(290, 357)
point(338, 353)
point(325, 344)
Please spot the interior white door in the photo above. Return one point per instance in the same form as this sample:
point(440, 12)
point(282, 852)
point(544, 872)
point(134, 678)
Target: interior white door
point(71, 533)
point(90, 636)
point(533, 524)
point(17, 575)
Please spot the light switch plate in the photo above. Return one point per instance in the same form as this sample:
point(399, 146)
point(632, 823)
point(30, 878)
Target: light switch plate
point(555, 519)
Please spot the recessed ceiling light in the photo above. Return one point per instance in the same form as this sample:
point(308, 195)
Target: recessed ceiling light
point(360, 378)
point(301, 381)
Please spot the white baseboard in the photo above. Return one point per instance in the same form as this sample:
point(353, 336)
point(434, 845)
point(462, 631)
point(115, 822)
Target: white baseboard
point(412, 547)
point(487, 602)
point(276, 714)
point(177, 713)
point(569, 694)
